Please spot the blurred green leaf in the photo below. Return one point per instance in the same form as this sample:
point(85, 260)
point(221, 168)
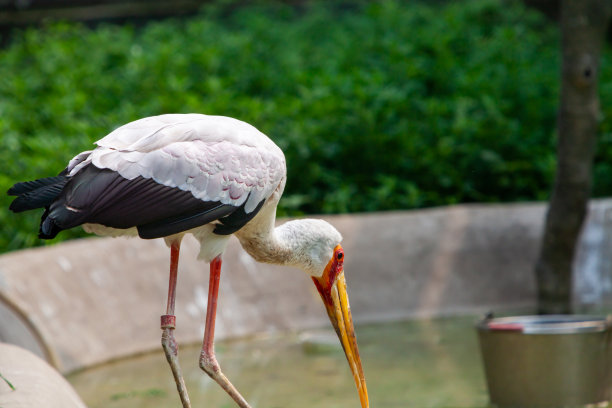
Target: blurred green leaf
point(377, 105)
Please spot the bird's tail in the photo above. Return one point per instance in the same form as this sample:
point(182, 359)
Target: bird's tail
point(38, 194)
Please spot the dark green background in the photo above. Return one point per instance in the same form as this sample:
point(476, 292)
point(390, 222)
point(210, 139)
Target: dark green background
point(380, 106)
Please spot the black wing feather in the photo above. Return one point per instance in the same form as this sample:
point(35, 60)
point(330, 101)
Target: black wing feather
point(27, 186)
point(38, 198)
point(236, 220)
point(102, 196)
point(183, 222)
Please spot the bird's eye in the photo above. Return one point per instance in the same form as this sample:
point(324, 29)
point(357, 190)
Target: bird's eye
point(339, 256)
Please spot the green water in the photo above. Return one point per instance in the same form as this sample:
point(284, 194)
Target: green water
point(413, 364)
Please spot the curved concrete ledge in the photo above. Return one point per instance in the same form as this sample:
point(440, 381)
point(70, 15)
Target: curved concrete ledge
point(29, 382)
point(93, 300)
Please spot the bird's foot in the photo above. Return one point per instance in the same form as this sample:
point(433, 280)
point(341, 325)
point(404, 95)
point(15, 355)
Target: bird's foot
point(170, 347)
point(208, 363)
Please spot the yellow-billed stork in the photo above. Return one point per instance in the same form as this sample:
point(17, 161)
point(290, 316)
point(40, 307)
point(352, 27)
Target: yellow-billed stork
point(210, 176)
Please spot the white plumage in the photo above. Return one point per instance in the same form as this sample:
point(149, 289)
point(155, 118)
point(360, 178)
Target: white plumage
point(216, 158)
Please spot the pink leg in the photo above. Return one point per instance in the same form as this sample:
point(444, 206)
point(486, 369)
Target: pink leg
point(208, 361)
point(168, 322)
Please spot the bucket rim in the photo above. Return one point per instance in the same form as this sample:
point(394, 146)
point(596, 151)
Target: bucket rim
point(546, 324)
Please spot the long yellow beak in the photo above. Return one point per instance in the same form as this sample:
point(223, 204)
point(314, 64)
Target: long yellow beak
point(339, 311)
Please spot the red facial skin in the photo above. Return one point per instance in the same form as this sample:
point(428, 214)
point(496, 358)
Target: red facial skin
point(332, 270)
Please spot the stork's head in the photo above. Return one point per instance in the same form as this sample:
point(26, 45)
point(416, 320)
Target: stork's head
point(322, 257)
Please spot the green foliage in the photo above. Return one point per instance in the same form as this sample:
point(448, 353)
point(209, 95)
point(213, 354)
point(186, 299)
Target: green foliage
point(378, 106)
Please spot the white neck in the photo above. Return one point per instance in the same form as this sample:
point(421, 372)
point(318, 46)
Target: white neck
point(261, 239)
point(307, 244)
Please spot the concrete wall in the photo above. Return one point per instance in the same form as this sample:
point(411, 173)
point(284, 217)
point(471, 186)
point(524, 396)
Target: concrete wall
point(93, 300)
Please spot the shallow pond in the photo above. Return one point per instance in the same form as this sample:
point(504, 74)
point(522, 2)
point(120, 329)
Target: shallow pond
point(420, 363)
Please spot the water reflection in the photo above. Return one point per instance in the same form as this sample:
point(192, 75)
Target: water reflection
point(419, 363)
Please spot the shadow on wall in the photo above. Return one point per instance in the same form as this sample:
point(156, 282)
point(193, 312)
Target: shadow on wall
point(88, 301)
point(18, 329)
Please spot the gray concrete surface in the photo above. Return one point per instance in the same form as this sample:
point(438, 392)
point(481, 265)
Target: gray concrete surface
point(33, 382)
point(88, 301)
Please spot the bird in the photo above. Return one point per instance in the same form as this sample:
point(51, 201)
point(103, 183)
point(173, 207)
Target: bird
point(209, 176)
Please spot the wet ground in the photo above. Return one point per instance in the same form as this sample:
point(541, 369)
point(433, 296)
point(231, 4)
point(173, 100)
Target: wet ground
point(420, 363)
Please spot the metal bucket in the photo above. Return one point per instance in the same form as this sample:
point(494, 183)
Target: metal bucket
point(546, 361)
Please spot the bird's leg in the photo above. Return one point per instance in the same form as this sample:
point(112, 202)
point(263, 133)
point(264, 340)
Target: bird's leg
point(208, 361)
point(168, 322)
